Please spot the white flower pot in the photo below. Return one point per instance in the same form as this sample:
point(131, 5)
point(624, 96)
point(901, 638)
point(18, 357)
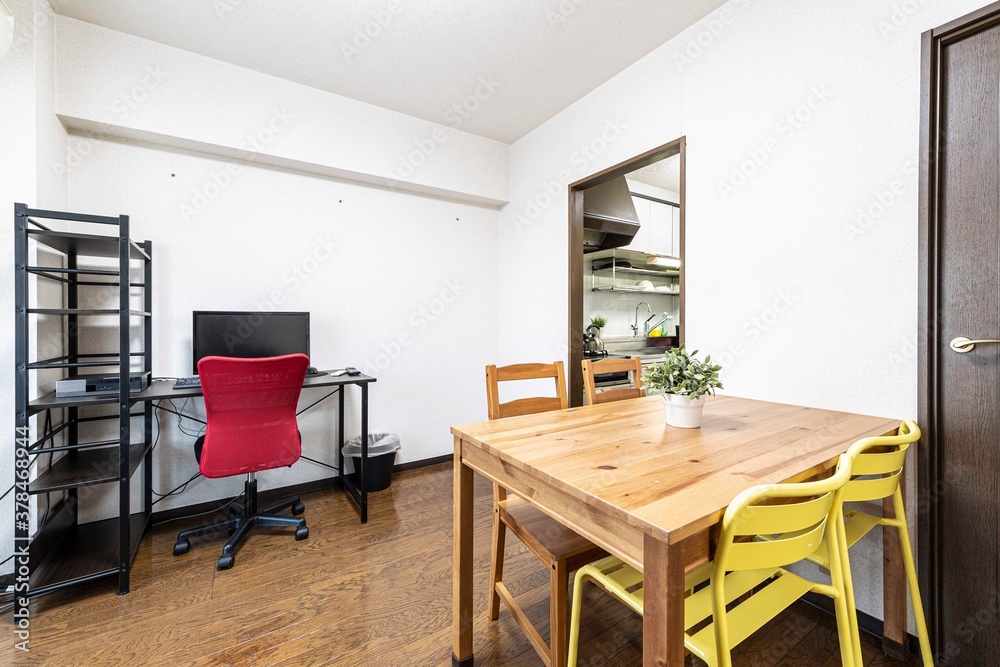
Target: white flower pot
point(683, 411)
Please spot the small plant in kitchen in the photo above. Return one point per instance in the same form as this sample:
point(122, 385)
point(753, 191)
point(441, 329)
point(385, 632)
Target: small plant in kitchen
point(598, 321)
point(683, 379)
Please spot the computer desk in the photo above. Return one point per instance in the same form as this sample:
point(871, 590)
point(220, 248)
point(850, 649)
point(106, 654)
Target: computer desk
point(163, 389)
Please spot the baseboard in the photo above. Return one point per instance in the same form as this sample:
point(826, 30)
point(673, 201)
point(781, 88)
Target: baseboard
point(870, 625)
point(423, 463)
point(269, 495)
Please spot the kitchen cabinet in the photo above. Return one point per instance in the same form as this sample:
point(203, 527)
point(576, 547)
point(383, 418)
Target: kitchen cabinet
point(659, 228)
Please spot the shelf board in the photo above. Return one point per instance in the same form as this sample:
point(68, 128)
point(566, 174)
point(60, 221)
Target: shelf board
point(625, 254)
point(632, 290)
point(50, 401)
point(86, 552)
point(85, 467)
point(87, 311)
point(90, 245)
point(667, 273)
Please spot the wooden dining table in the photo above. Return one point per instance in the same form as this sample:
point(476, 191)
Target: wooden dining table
point(649, 493)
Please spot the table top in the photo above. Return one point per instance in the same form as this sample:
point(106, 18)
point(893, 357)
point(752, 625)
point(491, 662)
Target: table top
point(163, 388)
point(623, 459)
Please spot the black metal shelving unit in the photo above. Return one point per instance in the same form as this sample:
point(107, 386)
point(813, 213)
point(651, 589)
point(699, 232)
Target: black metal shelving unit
point(62, 552)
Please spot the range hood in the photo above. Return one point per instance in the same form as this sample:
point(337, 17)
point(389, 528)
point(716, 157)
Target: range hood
point(609, 217)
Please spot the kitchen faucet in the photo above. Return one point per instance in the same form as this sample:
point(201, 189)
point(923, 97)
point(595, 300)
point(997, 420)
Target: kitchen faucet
point(645, 326)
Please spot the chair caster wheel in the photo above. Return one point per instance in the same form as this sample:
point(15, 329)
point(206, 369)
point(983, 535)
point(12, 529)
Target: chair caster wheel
point(301, 533)
point(226, 562)
point(298, 508)
point(182, 547)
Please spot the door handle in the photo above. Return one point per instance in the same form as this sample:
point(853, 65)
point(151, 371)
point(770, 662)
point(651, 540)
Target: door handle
point(963, 344)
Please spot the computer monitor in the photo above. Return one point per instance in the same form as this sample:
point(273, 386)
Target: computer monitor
point(248, 334)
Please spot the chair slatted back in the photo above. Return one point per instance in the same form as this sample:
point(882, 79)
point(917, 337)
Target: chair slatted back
point(878, 464)
point(591, 368)
point(524, 406)
point(796, 515)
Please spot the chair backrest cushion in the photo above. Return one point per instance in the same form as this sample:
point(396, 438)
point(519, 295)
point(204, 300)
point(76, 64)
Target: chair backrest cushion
point(250, 405)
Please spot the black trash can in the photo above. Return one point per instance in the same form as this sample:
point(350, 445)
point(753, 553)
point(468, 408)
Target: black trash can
point(382, 448)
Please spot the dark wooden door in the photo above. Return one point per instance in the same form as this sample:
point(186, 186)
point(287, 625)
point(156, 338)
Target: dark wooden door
point(961, 207)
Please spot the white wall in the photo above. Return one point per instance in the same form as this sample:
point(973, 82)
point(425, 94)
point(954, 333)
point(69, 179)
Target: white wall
point(116, 84)
point(803, 302)
point(258, 193)
point(32, 145)
point(401, 286)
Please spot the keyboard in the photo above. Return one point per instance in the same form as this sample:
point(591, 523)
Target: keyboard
point(192, 382)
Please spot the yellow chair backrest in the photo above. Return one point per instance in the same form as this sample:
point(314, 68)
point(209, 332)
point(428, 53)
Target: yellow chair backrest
point(797, 524)
point(876, 474)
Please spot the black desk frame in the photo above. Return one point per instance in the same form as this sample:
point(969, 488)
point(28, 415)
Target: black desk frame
point(161, 390)
point(359, 492)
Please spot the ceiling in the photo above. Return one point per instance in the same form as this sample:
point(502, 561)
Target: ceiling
point(512, 63)
point(664, 174)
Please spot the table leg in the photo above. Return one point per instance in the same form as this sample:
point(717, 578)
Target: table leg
point(462, 563)
point(363, 475)
point(895, 642)
point(340, 435)
point(663, 604)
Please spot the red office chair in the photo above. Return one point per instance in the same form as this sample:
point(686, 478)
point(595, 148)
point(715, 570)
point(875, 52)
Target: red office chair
point(250, 407)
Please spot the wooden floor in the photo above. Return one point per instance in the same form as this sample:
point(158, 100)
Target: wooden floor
point(350, 595)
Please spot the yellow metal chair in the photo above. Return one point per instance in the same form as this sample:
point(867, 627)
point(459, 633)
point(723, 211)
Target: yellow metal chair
point(749, 572)
point(877, 467)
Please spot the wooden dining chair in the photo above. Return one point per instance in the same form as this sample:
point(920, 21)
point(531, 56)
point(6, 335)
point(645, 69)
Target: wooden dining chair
point(591, 368)
point(747, 583)
point(558, 548)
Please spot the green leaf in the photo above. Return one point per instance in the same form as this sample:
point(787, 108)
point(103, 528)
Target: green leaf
point(683, 374)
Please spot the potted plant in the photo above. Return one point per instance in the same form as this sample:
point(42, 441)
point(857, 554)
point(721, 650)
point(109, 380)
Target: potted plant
point(683, 379)
point(598, 321)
